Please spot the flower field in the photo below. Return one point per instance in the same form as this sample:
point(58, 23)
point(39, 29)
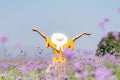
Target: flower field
point(78, 68)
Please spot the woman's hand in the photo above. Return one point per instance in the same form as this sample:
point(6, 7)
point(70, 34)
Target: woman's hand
point(87, 33)
point(35, 29)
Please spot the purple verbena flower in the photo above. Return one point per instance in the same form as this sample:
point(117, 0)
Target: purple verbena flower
point(104, 43)
point(18, 44)
point(111, 58)
point(105, 34)
point(53, 72)
point(64, 77)
point(87, 51)
point(19, 78)
point(116, 35)
point(119, 10)
point(3, 75)
point(102, 73)
point(112, 77)
point(106, 19)
point(28, 67)
point(77, 67)
point(3, 38)
point(77, 75)
point(69, 54)
point(4, 66)
point(38, 67)
point(102, 25)
point(96, 65)
point(84, 75)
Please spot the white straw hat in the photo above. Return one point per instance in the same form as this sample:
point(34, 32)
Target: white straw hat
point(59, 39)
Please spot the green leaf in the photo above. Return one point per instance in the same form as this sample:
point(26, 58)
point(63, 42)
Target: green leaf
point(72, 77)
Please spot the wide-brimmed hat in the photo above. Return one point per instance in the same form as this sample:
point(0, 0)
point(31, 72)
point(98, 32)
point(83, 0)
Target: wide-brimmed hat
point(59, 39)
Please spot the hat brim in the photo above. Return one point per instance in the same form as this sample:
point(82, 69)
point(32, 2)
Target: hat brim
point(59, 38)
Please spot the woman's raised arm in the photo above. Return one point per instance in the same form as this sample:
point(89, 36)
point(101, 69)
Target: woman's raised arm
point(38, 31)
point(48, 41)
point(78, 36)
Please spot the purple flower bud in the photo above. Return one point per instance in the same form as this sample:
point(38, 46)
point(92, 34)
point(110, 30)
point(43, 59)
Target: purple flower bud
point(106, 19)
point(118, 10)
point(4, 66)
point(38, 67)
point(105, 34)
point(3, 38)
point(116, 35)
point(104, 43)
point(87, 51)
point(102, 25)
point(18, 44)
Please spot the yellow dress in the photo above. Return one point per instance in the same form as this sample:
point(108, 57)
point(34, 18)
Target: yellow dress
point(58, 56)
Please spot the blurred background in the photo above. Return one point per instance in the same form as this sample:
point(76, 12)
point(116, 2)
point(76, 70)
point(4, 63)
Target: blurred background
point(17, 17)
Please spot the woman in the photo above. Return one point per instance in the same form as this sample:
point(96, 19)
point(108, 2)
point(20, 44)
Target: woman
point(58, 43)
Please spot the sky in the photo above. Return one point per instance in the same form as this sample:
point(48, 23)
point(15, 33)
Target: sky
point(70, 17)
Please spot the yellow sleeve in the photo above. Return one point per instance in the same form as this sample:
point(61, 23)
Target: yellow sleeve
point(69, 44)
point(49, 43)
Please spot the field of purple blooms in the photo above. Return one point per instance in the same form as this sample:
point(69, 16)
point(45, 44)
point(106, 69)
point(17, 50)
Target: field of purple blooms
point(24, 67)
point(78, 68)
